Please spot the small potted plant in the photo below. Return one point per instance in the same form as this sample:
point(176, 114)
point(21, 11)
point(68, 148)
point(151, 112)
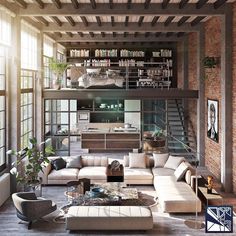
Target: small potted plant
point(156, 139)
point(58, 68)
point(36, 159)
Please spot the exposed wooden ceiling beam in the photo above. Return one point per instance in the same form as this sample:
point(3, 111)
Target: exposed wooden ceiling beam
point(84, 20)
point(147, 4)
point(70, 20)
point(165, 4)
point(201, 3)
point(75, 4)
point(93, 4)
point(112, 21)
point(99, 22)
point(129, 2)
point(111, 4)
point(183, 20)
point(154, 20)
point(21, 3)
point(169, 20)
point(56, 20)
point(42, 20)
point(57, 3)
point(183, 3)
point(126, 20)
point(119, 27)
point(121, 10)
point(40, 3)
point(197, 20)
point(119, 38)
point(80, 34)
point(140, 20)
point(219, 3)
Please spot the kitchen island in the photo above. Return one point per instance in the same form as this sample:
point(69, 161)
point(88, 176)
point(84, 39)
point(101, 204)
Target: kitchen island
point(105, 140)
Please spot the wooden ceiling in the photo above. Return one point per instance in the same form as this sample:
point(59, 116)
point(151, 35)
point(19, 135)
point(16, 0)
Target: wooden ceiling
point(126, 21)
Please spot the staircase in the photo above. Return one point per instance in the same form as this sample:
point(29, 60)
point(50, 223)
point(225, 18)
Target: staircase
point(181, 140)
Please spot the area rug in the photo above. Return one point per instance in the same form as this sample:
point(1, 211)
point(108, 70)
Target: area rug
point(144, 199)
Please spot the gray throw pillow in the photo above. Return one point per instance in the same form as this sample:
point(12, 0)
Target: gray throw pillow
point(74, 162)
point(160, 159)
point(180, 171)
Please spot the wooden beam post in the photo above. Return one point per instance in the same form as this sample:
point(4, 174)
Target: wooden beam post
point(201, 134)
point(226, 100)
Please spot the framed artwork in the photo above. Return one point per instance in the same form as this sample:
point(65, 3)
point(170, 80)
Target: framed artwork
point(213, 120)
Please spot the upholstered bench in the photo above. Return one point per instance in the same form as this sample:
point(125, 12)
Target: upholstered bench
point(109, 218)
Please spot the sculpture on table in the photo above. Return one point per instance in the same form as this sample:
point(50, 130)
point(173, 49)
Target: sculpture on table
point(209, 184)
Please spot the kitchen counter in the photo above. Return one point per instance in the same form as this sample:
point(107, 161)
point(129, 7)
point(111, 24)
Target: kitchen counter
point(110, 140)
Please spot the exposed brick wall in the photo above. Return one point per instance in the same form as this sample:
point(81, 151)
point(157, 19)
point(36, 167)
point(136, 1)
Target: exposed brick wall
point(234, 99)
point(213, 91)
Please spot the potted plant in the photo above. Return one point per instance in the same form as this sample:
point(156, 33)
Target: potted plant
point(210, 62)
point(36, 159)
point(58, 68)
point(156, 139)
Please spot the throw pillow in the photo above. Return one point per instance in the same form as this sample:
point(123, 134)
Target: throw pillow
point(126, 161)
point(74, 162)
point(160, 159)
point(173, 162)
point(188, 177)
point(58, 163)
point(137, 160)
point(180, 171)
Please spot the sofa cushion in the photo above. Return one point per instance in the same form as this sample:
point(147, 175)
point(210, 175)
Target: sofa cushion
point(149, 161)
point(93, 173)
point(74, 162)
point(160, 159)
point(137, 160)
point(173, 162)
point(58, 163)
point(176, 196)
point(162, 172)
point(70, 174)
point(94, 161)
point(137, 174)
point(180, 171)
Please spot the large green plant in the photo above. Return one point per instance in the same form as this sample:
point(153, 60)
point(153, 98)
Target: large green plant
point(57, 67)
point(36, 155)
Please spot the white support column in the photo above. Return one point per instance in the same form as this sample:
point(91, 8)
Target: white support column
point(226, 101)
point(201, 98)
point(38, 92)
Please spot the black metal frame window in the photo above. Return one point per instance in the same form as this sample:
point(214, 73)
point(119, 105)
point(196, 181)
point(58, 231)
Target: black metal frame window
point(27, 106)
point(47, 74)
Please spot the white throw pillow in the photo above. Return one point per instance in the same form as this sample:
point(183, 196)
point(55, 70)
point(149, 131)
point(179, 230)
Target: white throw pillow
point(160, 159)
point(137, 160)
point(173, 162)
point(180, 171)
point(188, 177)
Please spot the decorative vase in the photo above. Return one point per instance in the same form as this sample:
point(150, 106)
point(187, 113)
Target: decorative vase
point(57, 85)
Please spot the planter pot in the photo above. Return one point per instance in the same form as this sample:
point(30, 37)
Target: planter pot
point(34, 187)
point(56, 85)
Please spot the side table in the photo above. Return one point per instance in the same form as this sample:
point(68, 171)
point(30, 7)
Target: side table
point(115, 176)
point(208, 197)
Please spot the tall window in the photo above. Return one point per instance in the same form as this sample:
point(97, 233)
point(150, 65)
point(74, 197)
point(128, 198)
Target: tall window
point(5, 42)
point(47, 55)
point(28, 71)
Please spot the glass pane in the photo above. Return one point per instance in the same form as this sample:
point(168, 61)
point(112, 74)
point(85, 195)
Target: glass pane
point(47, 105)
point(2, 82)
point(64, 118)
point(64, 105)
point(73, 122)
point(2, 66)
point(73, 105)
point(2, 156)
point(2, 119)
point(2, 103)
point(2, 137)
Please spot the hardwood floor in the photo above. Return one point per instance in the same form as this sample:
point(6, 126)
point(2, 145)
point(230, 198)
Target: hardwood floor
point(164, 224)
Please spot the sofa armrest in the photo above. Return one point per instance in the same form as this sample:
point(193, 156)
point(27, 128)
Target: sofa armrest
point(47, 167)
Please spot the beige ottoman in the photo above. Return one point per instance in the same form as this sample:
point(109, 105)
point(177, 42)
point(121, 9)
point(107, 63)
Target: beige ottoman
point(109, 218)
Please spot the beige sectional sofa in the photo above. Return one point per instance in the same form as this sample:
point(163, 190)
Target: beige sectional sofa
point(93, 168)
point(173, 195)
